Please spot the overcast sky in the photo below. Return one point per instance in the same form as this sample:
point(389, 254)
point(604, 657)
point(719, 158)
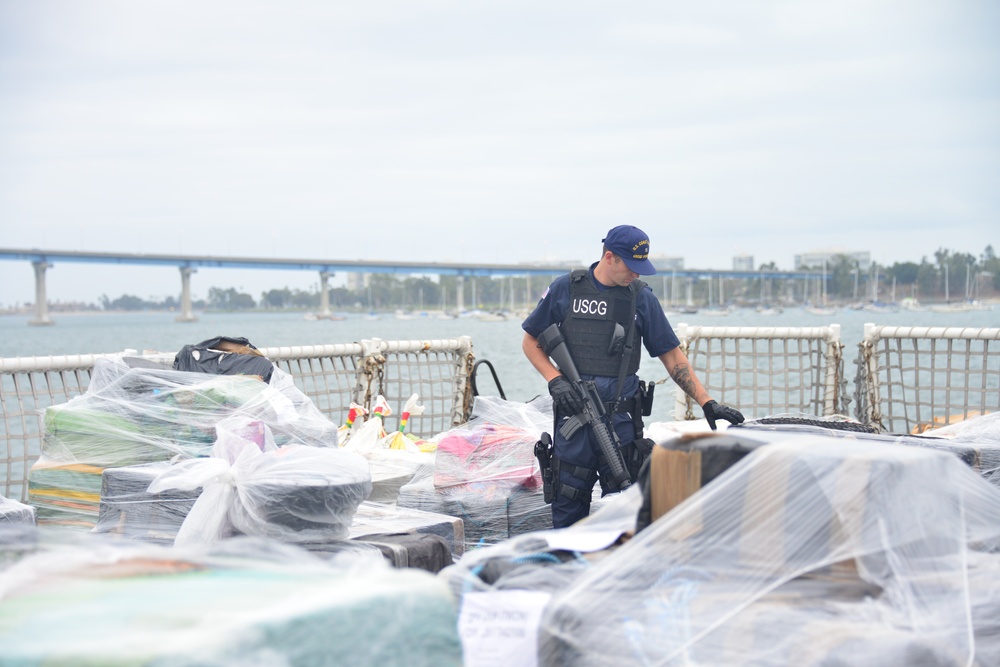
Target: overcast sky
point(497, 132)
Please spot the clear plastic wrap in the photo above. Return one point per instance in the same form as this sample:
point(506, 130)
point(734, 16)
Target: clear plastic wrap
point(485, 473)
point(978, 436)
point(88, 601)
point(976, 441)
point(249, 486)
point(497, 444)
point(812, 550)
point(128, 508)
point(131, 416)
point(12, 511)
point(380, 519)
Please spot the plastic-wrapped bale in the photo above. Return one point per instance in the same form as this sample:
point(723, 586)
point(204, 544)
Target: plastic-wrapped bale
point(485, 452)
point(680, 467)
point(482, 507)
point(391, 469)
point(423, 551)
point(527, 511)
point(810, 551)
point(377, 518)
point(130, 416)
point(291, 493)
point(248, 603)
point(421, 494)
point(128, 509)
point(65, 494)
point(485, 473)
point(12, 511)
point(404, 537)
point(529, 569)
point(975, 441)
point(979, 436)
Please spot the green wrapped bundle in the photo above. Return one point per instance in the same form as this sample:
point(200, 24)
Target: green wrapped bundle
point(133, 416)
point(65, 494)
point(153, 608)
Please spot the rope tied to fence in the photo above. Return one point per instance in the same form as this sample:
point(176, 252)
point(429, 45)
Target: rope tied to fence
point(467, 397)
point(374, 367)
point(865, 393)
point(835, 361)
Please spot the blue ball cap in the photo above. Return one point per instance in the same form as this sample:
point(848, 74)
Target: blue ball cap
point(632, 245)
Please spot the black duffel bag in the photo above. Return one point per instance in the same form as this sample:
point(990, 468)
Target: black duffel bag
point(224, 355)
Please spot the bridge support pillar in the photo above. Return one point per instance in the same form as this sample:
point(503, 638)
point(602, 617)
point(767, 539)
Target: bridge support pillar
point(459, 294)
point(187, 315)
point(41, 299)
point(324, 296)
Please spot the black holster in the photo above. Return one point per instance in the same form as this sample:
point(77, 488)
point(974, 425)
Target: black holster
point(543, 452)
point(635, 454)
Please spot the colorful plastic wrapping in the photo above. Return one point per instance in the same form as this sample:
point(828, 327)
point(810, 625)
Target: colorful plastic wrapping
point(130, 416)
point(485, 473)
point(244, 602)
point(293, 493)
point(812, 550)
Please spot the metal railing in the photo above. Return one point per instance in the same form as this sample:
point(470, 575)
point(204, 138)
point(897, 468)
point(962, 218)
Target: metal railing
point(912, 379)
point(766, 370)
point(332, 376)
point(908, 379)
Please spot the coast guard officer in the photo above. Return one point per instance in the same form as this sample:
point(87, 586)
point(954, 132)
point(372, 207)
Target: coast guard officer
point(587, 304)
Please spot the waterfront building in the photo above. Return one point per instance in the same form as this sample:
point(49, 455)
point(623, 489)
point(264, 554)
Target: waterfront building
point(818, 258)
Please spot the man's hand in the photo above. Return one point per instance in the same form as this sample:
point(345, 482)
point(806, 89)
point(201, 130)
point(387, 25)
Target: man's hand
point(715, 411)
point(564, 396)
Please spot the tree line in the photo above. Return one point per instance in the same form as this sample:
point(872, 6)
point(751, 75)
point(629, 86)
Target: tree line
point(949, 276)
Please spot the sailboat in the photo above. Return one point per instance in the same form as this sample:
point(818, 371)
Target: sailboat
point(877, 306)
point(822, 308)
point(713, 310)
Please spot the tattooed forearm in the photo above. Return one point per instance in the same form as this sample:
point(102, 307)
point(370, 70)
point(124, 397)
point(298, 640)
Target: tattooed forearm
point(681, 374)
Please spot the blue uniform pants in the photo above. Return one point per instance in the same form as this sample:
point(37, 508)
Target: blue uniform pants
point(582, 451)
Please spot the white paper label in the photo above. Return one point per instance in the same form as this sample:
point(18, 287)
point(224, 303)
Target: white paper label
point(579, 539)
point(500, 628)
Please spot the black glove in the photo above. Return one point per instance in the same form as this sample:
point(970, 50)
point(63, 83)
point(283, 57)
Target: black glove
point(715, 411)
point(564, 396)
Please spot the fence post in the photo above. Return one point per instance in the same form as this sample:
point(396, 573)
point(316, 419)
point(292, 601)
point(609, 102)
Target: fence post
point(461, 403)
point(369, 365)
point(866, 384)
point(834, 370)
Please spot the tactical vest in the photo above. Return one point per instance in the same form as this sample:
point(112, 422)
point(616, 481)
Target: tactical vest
point(590, 324)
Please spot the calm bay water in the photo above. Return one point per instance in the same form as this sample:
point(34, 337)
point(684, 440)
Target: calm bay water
point(499, 342)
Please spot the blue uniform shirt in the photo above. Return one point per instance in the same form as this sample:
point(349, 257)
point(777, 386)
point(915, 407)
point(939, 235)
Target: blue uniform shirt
point(651, 322)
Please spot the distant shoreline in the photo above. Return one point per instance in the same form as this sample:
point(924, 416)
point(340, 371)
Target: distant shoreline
point(52, 313)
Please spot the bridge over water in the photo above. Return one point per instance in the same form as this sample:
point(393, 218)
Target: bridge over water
point(42, 260)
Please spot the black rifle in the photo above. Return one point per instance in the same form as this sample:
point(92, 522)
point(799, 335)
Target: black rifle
point(593, 414)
